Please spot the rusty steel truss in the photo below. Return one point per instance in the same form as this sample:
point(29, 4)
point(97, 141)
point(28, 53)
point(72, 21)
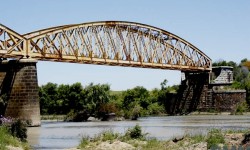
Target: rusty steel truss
point(115, 43)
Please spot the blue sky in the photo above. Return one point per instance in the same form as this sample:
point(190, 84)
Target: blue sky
point(220, 28)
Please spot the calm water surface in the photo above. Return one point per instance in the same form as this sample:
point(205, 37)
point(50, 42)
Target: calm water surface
point(63, 135)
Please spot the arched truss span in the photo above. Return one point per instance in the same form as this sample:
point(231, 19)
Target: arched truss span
point(12, 44)
point(109, 43)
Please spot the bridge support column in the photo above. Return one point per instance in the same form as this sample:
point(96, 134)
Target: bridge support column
point(19, 86)
point(192, 92)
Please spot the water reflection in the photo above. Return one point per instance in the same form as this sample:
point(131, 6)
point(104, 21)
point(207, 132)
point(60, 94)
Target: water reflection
point(61, 135)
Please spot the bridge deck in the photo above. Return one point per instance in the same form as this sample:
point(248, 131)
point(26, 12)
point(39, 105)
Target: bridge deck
point(114, 43)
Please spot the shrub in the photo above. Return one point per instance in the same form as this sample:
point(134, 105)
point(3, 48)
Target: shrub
point(215, 137)
point(198, 138)
point(153, 144)
point(194, 138)
point(77, 116)
point(84, 142)
point(13, 139)
point(109, 135)
point(127, 114)
point(135, 133)
point(18, 129)
point(156, 109)
point(136, 111)
point(241, 108)
point(106, 108)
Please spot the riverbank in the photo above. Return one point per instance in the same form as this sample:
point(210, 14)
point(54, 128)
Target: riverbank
point(8, 142)
point(62, 117)
point(64, 135)
point(217, 113)
point(215, 139)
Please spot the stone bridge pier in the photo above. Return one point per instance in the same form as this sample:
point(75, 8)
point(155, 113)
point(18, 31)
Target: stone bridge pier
point(19, 88)
point(205, 91)
point(192, 91)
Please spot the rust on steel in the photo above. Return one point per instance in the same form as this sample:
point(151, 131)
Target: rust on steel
point(117, 43)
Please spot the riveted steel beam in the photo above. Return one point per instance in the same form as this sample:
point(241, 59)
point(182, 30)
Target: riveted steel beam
point(106, 43)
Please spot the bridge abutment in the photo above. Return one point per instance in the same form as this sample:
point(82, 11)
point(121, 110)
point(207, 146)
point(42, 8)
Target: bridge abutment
point(192, 91)
point(19, 86)
point(198, 93)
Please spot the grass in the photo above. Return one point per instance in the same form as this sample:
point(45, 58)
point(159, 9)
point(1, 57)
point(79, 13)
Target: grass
point(134, 136)
point(153, 144)
point(7, 140)
point(84, 142)
point(215, 137)
point(197, 138)
point(130, 137)
point(107, 135)
point(230, 131)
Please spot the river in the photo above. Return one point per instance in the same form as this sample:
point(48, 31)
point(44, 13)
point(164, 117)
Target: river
point(62, 135)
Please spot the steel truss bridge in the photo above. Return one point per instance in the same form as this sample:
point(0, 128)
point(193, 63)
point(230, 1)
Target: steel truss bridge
point(115, 43)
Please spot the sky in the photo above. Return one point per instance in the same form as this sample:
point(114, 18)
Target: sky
point(219, 28)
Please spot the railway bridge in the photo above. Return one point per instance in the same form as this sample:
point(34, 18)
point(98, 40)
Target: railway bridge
point(113, 43)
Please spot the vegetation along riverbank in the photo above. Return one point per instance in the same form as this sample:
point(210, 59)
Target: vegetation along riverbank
point(134, 139)
point(78, 103)
point(13, 134)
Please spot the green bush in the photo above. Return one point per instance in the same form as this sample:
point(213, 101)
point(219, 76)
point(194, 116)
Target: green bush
point(153, 144)
point(19, 129)
point(215, 137)
point(136, 112)
point(84, 142)
point(79, 116)
point(109, 135)
point(7, 139)
point(241, 108)
point(135, 133)
point(156, 109)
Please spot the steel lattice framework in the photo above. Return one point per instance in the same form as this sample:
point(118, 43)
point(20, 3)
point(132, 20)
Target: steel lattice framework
point(109, 43)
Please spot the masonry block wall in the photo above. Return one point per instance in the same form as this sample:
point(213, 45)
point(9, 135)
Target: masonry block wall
point(192, 91)
point(19, 83)
point(196, 94)
point(222, 75)
point(228, 100)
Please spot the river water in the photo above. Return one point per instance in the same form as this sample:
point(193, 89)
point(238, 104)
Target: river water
point(63, 135)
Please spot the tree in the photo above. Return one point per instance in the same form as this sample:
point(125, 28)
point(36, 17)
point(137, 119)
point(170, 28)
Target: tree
point(95, 96)
point(63, 99)
point(135, 101)
point(246, 78)
point(75, 97)
point(162, 97)
point(247, 64)
point(241, 75)
point(48, 98)
point(138, 94)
